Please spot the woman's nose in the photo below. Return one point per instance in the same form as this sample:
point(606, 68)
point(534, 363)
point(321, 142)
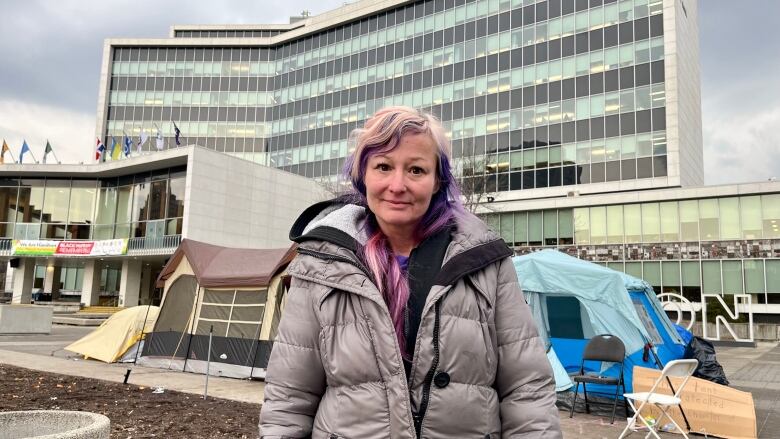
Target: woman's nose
point(397, 182)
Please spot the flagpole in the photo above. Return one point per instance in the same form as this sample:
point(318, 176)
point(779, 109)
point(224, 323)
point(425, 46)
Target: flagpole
point(13, 157)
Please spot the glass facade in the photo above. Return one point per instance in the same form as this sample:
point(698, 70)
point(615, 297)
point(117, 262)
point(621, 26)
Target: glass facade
point(727, 245)
point(140, 205)
point(549, 93)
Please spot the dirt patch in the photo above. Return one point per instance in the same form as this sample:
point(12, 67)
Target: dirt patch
point(135, 411)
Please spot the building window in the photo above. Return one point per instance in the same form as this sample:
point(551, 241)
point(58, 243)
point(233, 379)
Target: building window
point(550, 227)
point(750, 210)
point(582, 226)
point(565, 227)
point(670, 222)
point(598, 225)
point(729, 218)
point(770, 205)
point(754, 276)
point(521, 228)
point(709, 225)
point(691, 280)
point(651, 223)
point(773, 276)
point(732, 277)
point(710, 273)
point(689, 220)
point(535, 228)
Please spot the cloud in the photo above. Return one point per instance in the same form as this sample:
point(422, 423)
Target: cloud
point(742, 146)
point(70, 132)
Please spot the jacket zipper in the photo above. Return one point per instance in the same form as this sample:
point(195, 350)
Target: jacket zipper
point(418, 418)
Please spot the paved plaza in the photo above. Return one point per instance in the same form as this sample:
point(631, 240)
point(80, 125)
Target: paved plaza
point(756, 370)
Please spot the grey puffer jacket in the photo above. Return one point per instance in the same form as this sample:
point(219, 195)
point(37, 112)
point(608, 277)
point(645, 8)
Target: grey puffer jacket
point(479, 369)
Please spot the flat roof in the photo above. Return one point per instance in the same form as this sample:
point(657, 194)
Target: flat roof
point(293, 31)
point(575, 199)
point(132, 165)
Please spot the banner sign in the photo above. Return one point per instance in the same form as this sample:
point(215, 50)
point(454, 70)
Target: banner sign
point(107, 247)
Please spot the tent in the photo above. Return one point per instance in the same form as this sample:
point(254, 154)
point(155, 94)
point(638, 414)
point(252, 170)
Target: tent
point(231, 296)
point(572, 300)
point(120, 332)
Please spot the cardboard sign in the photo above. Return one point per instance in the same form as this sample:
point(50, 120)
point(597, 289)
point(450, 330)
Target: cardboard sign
point(711, 408)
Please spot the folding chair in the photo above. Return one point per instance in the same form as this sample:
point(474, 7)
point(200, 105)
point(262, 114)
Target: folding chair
point(677, 368)
point(604, 348)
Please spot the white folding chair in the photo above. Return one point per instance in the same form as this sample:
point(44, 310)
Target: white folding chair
point(676, 368)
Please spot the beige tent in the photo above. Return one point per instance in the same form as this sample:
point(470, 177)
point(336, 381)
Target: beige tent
point(117, 334)
point(235, 295)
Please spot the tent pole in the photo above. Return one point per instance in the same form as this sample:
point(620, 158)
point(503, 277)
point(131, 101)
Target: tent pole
point(192, 323)
point(142, 334)
point(138, 348)
point(256, 346)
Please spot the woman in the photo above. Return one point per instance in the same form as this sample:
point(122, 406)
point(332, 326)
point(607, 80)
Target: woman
point(404, 318)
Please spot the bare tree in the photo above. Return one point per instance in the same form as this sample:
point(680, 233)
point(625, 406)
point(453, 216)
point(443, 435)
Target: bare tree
point(474, 177)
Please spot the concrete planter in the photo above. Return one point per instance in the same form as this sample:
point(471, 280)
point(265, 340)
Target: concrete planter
point(54, 424)
point(25, 319)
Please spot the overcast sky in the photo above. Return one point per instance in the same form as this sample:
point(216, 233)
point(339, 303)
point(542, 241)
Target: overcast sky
point(51, 51)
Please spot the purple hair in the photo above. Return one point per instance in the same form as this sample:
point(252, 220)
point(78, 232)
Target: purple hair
point(382, 133)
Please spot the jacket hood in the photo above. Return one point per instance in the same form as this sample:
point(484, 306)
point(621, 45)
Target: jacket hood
point(473, 245)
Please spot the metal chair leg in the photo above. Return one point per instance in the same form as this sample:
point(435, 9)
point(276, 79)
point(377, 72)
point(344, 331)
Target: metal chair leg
point(614, 404)
point(585, 392)
point(576, 389)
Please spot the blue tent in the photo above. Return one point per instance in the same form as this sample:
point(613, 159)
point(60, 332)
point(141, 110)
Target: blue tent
point(572, 300)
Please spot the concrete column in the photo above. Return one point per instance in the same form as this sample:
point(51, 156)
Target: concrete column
point(24, 276)
point(130, 286)
point(90, 287)
point(146, 283)
point(51, 282)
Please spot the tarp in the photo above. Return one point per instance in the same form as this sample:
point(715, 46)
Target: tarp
point(117, 334)
point(602, 291)
point(607, 302)
point(215, 266)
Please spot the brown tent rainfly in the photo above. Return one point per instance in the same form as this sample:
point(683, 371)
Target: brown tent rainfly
point(236, 294)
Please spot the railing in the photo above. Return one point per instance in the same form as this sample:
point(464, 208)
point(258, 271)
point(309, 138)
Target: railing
point(146, 246)
point(160, 245)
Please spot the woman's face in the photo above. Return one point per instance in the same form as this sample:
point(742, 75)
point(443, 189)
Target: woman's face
point(400, 183)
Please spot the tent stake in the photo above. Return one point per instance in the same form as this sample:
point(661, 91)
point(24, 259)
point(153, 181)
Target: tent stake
point(127, 375)
point(208, 364)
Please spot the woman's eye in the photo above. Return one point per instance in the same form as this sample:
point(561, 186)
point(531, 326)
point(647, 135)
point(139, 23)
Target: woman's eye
point(383, 167)
point(417, 170)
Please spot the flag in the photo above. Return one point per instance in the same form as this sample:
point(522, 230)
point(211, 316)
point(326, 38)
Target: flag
point(100, 150)
point(128, 142)
point(160, 141)
point(116, 152)
point(178, 133)
point(5, 149)
point(141, 142)
point(47, 150)
point(25, 148)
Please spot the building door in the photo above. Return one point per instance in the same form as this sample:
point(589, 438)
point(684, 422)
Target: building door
point(155, 230)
